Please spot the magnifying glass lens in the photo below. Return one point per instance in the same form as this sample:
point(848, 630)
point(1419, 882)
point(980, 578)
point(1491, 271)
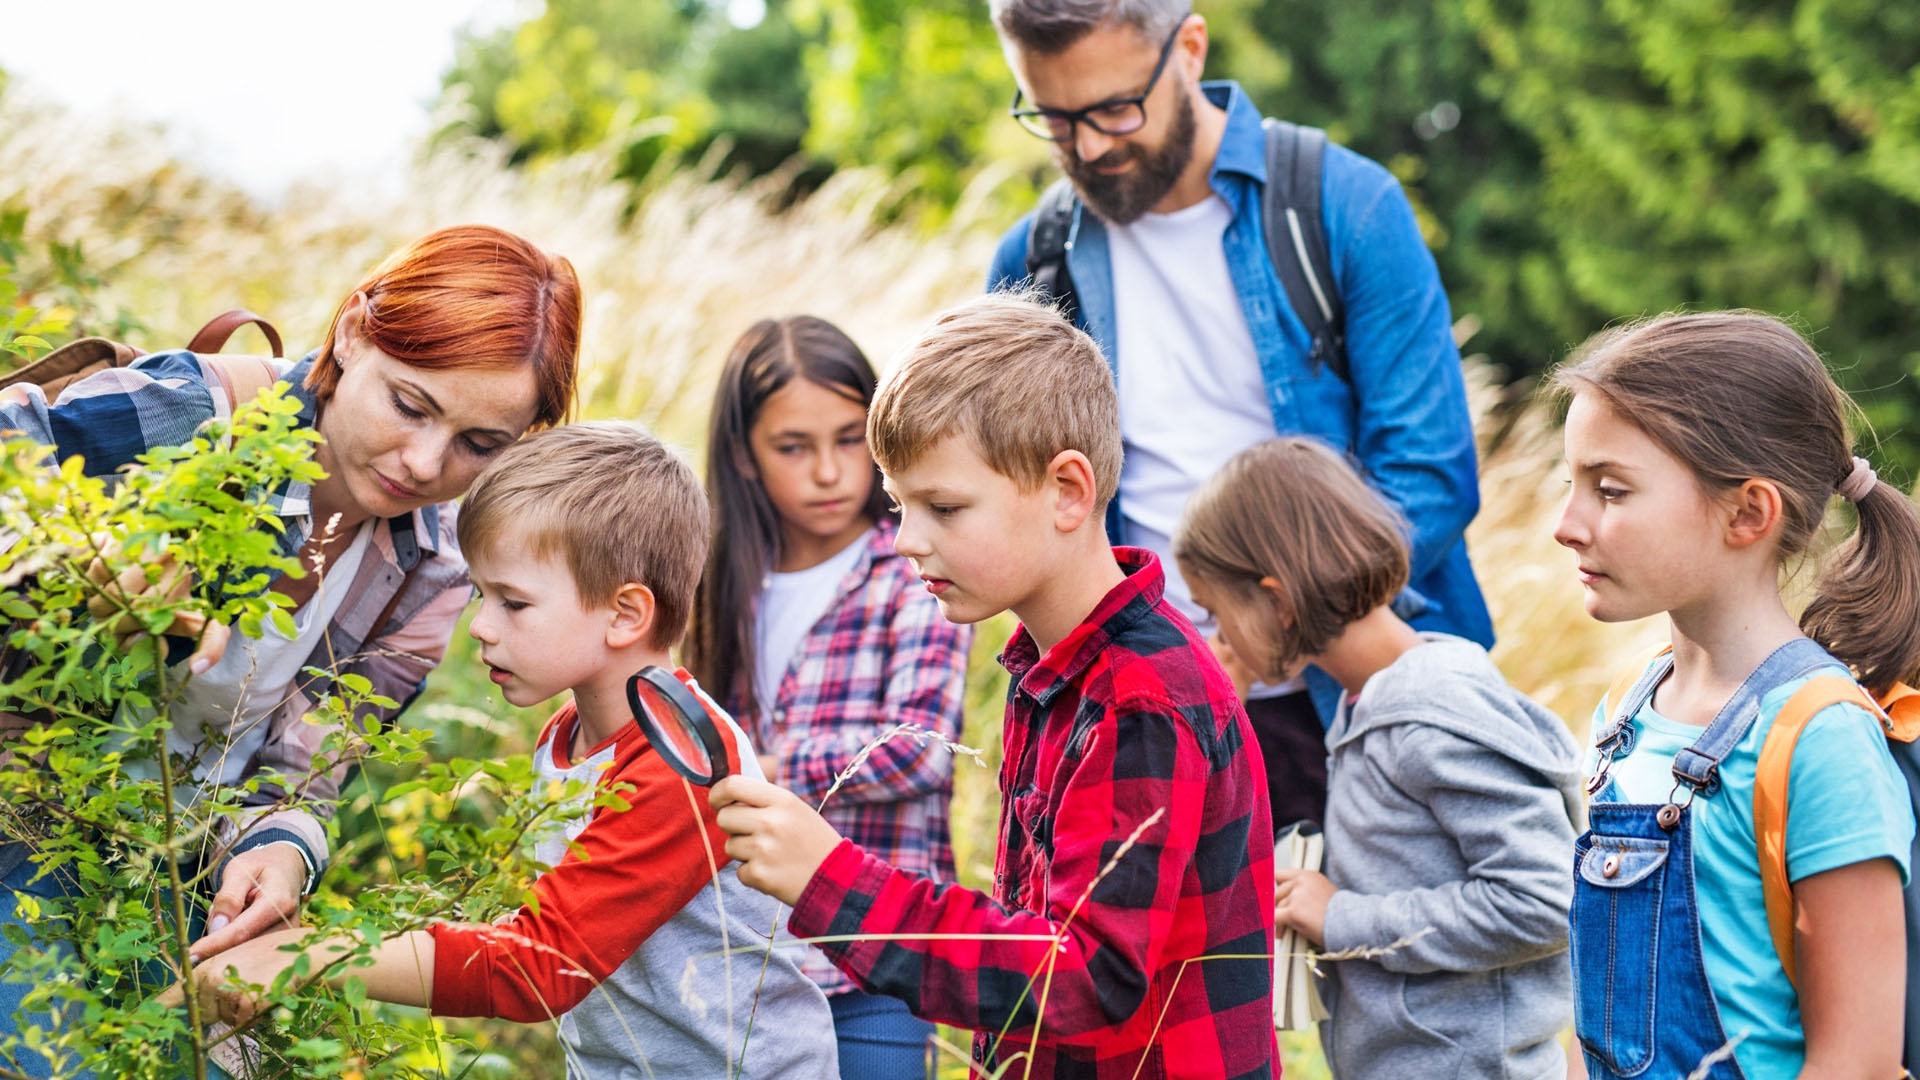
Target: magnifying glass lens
point(675, 728)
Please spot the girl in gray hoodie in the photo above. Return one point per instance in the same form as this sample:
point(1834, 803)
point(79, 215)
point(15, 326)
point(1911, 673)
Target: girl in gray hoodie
point(1451, 797)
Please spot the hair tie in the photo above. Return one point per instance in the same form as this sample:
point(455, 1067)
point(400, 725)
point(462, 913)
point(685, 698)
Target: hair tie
point(1859, 482)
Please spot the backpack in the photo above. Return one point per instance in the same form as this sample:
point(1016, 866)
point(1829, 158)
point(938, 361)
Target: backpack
point(1899, 716)
point(240, 376)
point(1298, 252)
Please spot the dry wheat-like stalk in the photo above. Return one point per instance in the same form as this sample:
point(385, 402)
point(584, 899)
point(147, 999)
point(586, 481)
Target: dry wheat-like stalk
point(1364, 952)
point(901, 730)
point(1724, 1053)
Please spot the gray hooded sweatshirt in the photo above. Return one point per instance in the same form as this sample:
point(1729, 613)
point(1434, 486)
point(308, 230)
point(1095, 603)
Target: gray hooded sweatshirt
point(1451, 805)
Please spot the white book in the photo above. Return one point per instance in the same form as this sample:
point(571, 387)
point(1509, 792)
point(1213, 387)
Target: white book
point(1296, 995)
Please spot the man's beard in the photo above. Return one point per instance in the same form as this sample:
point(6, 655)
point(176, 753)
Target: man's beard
point(1123, 198)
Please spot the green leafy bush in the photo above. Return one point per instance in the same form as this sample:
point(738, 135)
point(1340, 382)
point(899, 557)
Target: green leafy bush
point(91, 786)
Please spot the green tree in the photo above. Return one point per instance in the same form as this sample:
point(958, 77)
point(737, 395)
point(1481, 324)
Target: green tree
point(1403, 84)
point(1711, 153)
point(668, 78)
point(912, 85)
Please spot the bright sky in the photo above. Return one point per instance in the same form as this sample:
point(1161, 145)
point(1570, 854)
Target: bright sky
point(258, 91)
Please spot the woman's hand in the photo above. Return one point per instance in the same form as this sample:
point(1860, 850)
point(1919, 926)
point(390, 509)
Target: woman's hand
point(259, 891)
point(170, 582)
point(1300, 900)
point(779, 840)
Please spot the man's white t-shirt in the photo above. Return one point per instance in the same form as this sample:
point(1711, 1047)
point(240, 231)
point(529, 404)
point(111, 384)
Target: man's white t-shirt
point(1191, 391)
point(789, 606)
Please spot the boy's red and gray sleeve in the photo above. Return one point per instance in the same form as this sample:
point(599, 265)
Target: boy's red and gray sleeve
point(925, 678)
point(957, 956)
point(630, 875)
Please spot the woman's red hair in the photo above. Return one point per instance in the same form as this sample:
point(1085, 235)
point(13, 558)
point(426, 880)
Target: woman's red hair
point(471, 295)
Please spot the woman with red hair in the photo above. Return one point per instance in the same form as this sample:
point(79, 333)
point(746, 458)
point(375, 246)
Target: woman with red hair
point(447, 352)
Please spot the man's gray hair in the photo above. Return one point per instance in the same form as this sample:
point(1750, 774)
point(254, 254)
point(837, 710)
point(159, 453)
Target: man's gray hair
point(1050, 26)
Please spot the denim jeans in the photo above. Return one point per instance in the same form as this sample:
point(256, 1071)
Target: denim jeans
point(46, 936)
point(879, 1039)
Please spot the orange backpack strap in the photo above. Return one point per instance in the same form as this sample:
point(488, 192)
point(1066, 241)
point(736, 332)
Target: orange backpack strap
point(1770, 798)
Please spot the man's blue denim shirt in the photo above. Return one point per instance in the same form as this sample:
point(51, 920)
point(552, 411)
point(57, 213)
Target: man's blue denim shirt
point(1403, 417)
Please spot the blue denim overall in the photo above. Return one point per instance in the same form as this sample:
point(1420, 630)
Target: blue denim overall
point(1642, 1004)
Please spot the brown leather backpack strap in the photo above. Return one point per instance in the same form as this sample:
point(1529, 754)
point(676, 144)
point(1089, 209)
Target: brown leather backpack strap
point(213, 336)
point(71, 361)
point(242, 377)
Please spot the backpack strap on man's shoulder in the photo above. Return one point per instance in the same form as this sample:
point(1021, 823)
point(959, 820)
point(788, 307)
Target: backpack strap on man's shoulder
point(1770, 784)
point(1048, 239)
point(1297, 239)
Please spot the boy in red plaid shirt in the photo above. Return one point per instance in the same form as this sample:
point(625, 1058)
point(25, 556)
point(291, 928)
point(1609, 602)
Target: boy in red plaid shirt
point(1130, 928)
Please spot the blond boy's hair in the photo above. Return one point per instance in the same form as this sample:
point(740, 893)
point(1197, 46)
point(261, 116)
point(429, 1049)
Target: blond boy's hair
point(618, 504)
point(1015, 378)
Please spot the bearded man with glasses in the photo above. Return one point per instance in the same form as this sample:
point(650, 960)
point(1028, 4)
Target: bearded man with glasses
point(1162, 251)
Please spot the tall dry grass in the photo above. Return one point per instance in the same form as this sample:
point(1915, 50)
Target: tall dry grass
point(667, 290)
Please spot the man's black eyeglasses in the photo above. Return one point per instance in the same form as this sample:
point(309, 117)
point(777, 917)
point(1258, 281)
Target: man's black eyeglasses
point(1116, 116)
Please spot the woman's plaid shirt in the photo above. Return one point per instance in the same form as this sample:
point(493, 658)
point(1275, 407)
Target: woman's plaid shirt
point(1130, 929)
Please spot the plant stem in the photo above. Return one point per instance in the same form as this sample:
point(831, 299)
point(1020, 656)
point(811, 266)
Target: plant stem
point(196, 1030)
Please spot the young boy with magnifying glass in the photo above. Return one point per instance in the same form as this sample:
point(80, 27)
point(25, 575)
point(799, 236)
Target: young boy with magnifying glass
point(585, 544)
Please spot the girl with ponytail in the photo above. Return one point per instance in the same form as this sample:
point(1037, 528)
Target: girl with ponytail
point(1741, 882)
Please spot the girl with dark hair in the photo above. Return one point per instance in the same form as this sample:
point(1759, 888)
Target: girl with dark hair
point(809, 628)
point(1704, 451)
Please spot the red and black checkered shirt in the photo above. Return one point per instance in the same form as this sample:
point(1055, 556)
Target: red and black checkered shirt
point(1101, 957)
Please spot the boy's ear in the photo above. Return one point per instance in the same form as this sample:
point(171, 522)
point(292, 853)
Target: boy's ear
point(1755, 509)
point(1076, 492)
point(634, 610)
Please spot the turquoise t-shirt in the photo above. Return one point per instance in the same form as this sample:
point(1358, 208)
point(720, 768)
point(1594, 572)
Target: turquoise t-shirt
point(1846, 803)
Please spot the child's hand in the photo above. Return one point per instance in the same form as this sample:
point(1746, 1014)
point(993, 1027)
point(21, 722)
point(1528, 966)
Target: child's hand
point(1300, 901)
point(254, 962)
point(779, 840)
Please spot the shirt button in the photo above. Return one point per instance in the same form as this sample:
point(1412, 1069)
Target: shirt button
point(1610, 868)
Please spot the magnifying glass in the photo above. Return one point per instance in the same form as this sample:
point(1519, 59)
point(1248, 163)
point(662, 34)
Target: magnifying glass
point(678, 725)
